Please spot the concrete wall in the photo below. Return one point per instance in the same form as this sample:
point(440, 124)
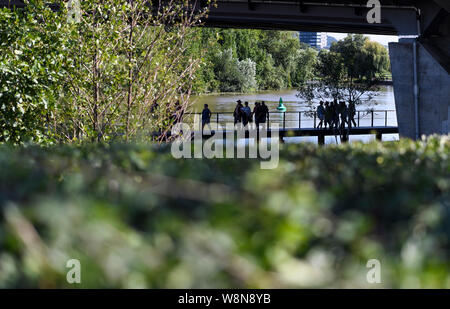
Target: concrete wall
point(434, 91)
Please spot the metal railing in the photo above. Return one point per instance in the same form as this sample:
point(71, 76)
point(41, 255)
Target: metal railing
point(307, 119)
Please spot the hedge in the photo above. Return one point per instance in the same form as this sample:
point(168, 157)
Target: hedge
point(136, 217)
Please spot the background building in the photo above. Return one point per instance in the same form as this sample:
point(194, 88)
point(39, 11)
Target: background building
point(314, 39)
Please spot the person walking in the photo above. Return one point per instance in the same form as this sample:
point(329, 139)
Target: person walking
point(320, 114)
point(343, 113)
point(328, 115)
point(237, 114)
point(332, 114)
point(351, 114)
point(256, 113)
point(264, 112)
point(206, 116)
point(335, 114)
point(246, 114)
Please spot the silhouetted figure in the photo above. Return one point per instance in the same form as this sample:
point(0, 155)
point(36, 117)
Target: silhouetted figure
point(246, 114)
point(335, 109)
point(257, 113)
point(328, 115)
point(264, 112)
point(237, 114)
point(351, 114)
point(343, 113)
point(320, 114)
point(206, 116)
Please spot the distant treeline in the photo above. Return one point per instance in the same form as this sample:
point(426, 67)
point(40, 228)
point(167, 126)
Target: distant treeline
point(242, 60)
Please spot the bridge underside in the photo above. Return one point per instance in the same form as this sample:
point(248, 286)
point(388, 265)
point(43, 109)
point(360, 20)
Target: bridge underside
point(347, 16)
point(420, 66)
point(334, 16)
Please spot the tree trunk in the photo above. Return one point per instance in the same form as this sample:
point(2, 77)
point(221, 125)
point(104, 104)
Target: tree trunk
point(95, 90)
point(130, 81)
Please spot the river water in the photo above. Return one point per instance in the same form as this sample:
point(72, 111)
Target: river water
point(225, 103)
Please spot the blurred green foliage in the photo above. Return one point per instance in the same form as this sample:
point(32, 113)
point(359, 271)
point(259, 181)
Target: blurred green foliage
point(136, 217)
point(32, 61)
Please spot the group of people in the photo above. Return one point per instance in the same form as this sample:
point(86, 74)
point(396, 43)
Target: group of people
point(336, 115)
point(243, 113)
point(331, 114)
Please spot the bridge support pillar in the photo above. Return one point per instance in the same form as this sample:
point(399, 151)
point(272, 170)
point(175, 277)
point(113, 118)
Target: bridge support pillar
point(421, 88)
point(344, 136)
point(379, 136)
point(281, 137)
point(321, 139)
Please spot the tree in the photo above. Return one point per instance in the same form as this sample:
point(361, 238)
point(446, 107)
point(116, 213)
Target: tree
point(350, 48)
point(33, 50)
point(362, 58)
point(305, 63)
point(131, 75)
point(227, 71)
point(375, 60)
point(247, 68)
point(339, 76)
point(268, 74)
point(330, 72)
point(284, 49)
point(234, 75)
point(206, 80)
point(121, 69)
point(281, 61)
point(347, 72)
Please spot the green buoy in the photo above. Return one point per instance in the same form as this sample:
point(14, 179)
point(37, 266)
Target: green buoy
point(281, 107)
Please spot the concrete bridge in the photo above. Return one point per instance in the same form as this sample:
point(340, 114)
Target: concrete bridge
point(420, 63)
